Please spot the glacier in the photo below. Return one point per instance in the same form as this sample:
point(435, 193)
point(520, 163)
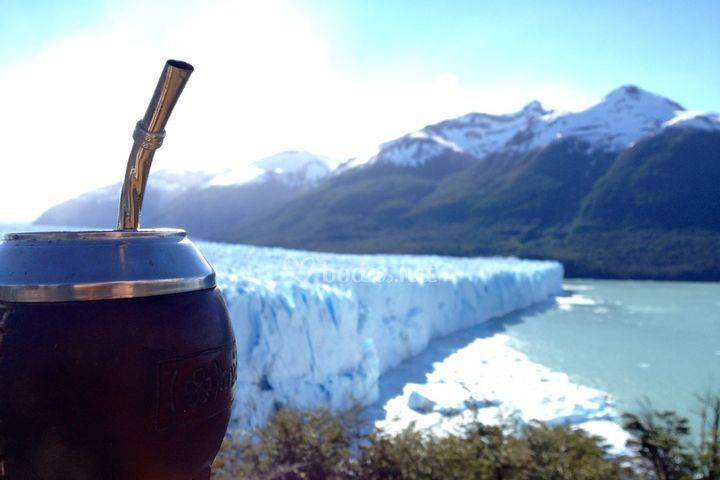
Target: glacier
point(395, 334)
point(318, 329)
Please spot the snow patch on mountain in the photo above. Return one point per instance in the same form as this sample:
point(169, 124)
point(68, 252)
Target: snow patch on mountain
point(294, 168)
point(178, 180)
point(287, 173)
point(316, 329)
point(236, 176)
point(481, 134)
point(477, 134)
point(696, 120)
point(414, 148)
point(619, 120)
point(167, 182)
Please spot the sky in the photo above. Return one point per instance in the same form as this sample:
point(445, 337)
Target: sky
point(335, 77)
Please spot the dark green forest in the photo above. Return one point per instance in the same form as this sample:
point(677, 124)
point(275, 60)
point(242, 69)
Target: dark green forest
point(649, 212)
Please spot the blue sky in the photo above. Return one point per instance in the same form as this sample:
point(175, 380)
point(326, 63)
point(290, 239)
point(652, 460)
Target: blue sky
point(333, 77)
point(668, 47)
point(25, 26)
point(672, 48)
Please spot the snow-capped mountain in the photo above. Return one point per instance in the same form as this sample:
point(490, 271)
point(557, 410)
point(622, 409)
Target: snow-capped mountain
point(176, 198)
point(621, 189)
point(98, 208)
point(633, 173)
point(232, 199)
point(295, 168)
point(623, 117)
point(477, 134)
point(166, 181)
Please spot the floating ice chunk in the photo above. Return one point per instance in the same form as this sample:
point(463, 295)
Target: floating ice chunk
point(420, 403)
point(513, 390)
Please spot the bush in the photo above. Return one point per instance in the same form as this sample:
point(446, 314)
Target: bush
point(564, 453)
point(320, 445)
point(480, 453)
point(661, 440)
point(658, 438)
point(709, 450)
point(313, 445)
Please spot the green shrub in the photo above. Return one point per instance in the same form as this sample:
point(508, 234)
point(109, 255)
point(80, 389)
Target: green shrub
point(709, 448)
point(313, 445)
point(661, 440)
point(485, 452)
point(658, 438)
point(565, 453)
point(319, 445)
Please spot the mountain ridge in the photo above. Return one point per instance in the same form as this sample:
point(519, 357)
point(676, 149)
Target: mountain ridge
point(618, 190)
point(621, 118)
point(285, 173)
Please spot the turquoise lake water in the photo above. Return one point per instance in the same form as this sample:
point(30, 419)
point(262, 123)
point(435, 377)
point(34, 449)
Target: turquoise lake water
point(632, 339)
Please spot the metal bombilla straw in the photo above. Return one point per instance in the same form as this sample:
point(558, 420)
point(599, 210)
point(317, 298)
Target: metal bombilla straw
point(148, 137)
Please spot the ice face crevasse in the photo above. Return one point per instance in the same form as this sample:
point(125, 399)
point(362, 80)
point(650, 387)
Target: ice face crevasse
point(317, 329)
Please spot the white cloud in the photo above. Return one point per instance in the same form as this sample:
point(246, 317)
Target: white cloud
point(264, 82)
